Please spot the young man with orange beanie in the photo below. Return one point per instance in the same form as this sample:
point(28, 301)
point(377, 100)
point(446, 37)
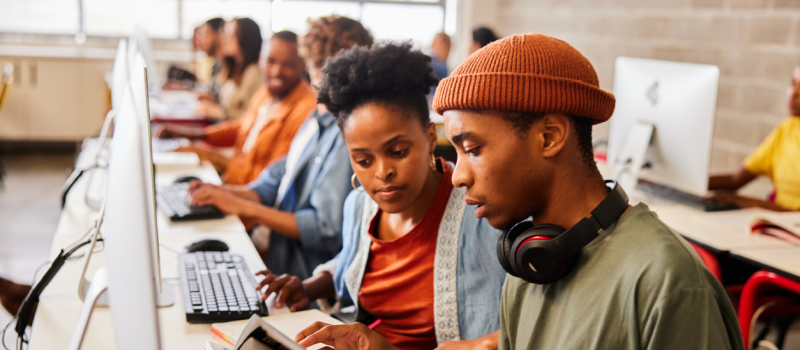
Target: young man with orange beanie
point(520, 114)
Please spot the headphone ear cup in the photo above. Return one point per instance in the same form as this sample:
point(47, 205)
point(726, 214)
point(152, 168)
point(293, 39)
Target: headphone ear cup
point(506, 241)
point(536, 238)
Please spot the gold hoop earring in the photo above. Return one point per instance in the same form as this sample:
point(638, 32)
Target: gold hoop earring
point(433, 162)
point(353, 183)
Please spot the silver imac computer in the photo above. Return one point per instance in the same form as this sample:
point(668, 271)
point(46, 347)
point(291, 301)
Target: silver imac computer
point(145, 47)
point(130, 277)
point(662, 127)
point(119, 80)
point(129, 240)
point(139, 91)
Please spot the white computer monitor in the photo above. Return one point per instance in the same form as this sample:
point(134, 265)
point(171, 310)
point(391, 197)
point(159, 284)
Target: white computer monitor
point(139, 92)
point(128, 244)
point(119, 80)
point(145, 47)
point(679, 101)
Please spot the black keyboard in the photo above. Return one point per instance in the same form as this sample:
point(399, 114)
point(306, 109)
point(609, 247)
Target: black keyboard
point(174, 201)
point(218, 287)
point(681, 197)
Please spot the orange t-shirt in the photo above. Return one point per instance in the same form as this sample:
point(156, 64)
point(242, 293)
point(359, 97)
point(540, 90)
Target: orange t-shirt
point(398, 283)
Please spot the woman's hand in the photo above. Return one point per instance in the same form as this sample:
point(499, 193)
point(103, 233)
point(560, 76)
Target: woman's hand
point(355, 336)
point(731, 198)
point(224, 200)
point(289, 289)
point(208, 109)
point(487, 342)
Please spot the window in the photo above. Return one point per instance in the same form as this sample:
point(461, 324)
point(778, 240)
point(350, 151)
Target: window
point(418, 20)
point(402, 22)
point(39, 16)
point(294, 15)
point(158, 18)
point(196, 12)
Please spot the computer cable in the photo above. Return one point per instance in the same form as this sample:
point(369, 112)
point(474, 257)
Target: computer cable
point(4, 332)
point(26, 310)
point(73, 178)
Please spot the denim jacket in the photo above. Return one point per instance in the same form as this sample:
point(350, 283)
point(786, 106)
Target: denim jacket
point(316, 195)
point(467, 276)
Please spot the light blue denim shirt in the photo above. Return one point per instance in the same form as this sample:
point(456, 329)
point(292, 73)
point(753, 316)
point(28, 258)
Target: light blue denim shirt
point(316, 196)
point(468, 279)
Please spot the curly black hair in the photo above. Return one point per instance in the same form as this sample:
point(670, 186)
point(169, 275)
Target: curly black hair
point(328, 35)
point(388, 73)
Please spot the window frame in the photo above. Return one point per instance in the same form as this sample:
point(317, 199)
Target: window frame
point(180, 19)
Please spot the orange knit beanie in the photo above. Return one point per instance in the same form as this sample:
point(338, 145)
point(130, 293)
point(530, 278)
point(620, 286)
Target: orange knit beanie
point(526, 73)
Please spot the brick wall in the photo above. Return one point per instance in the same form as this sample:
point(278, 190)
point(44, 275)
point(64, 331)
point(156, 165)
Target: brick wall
point(756, 44)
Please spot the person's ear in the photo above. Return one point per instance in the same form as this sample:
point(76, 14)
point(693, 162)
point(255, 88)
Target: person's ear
point(433, 138)
point(555, 132)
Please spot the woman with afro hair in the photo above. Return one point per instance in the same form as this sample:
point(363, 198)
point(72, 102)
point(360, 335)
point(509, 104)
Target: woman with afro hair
point(416, 264)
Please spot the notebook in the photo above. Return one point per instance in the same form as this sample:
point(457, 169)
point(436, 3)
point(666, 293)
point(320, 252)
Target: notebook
point(784, 226)
point(289, 324)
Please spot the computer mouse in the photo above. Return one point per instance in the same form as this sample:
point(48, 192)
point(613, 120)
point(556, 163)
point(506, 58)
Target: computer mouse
point(187, 179)
point(208, 245)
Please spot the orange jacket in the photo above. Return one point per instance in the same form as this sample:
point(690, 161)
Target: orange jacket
point(274, 139)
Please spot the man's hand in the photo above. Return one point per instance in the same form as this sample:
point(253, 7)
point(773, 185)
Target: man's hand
point(219, 161)
point(224, 200)
point(487, 342)
point(289, 288)
point(177, 131)
point(208, 109)
point(354, 336)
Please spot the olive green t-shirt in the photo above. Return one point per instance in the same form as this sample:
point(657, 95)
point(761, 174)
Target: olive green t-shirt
point(637, 286)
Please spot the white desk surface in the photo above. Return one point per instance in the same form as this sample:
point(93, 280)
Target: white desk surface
point(726, 231)
point(785, 261)
point(60, 307)
point(709, 228)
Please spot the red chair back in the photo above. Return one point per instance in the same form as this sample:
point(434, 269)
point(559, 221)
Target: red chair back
point(749, 299)
point(711, 262)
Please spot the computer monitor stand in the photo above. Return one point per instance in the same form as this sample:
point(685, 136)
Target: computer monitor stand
point(97, 290)
point(96, 203)
point(629, 163)
point(165, 297)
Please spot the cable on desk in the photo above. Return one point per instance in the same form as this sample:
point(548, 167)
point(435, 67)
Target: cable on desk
point(4, 332)
point(36, 272)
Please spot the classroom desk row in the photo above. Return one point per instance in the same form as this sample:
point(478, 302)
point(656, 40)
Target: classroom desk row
point(60, 306)
point(728, 233)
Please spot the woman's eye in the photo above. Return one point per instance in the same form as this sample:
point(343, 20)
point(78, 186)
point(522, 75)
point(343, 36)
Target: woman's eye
point(363, 162)
point(472, 151)
point(399, 153)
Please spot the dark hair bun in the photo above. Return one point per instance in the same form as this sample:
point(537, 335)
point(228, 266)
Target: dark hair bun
point(388, 72)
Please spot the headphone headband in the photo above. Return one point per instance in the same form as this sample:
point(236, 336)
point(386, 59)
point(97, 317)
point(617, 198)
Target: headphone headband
point(603, 216)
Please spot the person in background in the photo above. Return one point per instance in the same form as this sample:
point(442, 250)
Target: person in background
point(264, 132)
point(299, 198)
point(208, 43)
point(621, 279)
point(481, 37)
point(439, 52)
point(239, 79)
point(196, 42)
point(411, 247)
point(12, 295)
point(778, 157)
